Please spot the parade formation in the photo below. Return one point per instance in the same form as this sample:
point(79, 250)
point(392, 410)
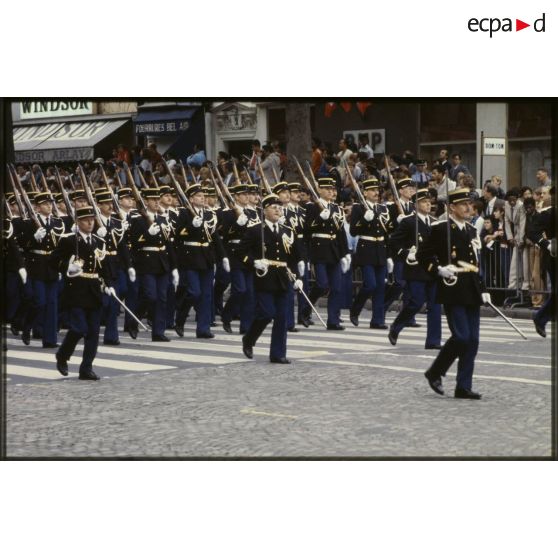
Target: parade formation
point(198, 242)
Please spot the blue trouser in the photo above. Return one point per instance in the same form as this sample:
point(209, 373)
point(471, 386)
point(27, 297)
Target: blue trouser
point(290, 306)
point(196, 288)
point(546, 311)
point(398, 286)
point(270, 306)
point(328, 278)
point(130, 295)
point(241, 299)
point(153, 295)
point(303, 307)
point(222, 281)
point(373, 285)
point(347, 288)
point(43, 314)
point(464, 324)
point(82, 323)
point(109, 313)
point(12, 294)
point(171, 304)
point(419, 293)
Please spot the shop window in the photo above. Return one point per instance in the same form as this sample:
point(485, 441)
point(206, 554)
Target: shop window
point(445, 122)
point(529, 120)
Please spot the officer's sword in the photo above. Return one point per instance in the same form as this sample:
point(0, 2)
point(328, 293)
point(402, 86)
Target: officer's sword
point(292, 277)
point(507, 320)
point(145, 328)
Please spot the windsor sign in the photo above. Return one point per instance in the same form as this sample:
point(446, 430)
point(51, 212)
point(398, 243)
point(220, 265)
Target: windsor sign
point(52, 109)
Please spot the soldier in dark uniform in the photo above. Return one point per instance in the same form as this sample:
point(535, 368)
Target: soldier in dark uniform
point(153, 258)
point(79, 257)
point(43, 279)
point(62, 213)
point(270, 253)
point(411, 232)
point(235, 223)
point(78, 198)
point(328, 251)
point(371, 224)
point(406, 189)
point(16, 274)
point(117, 260)
point(543, 234)
point(198, 248)
point(460, 293)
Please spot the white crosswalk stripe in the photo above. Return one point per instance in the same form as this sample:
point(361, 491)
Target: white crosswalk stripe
point(500, 346)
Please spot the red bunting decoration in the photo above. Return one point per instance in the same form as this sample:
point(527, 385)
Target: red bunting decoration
point(346, 106)
point(362, 107)
point(329, 108)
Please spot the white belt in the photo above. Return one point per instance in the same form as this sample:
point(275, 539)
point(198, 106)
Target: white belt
point(89, 275)
point(153, 249)
point(322, 235)
point(235, 241)
point(42, 252)
point(196, 243)
point(372, 238)
point(274, 263)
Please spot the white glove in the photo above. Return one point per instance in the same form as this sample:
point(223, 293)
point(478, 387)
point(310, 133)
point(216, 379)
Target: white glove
point(297, 285)
point(125, 225)
point(348, 258)
point(74, 228)
point(447, 271)
point(102, 232)
point(369, 215)
point(486, 298)
point(412, 255)
point(400, 218)
point(389, 265)
point(242, 219)
point(23, 274)
point(74, 268)
point(301, 268)
point(552, 247)
point(60, 277)
point(154, 229)
point(345, 265)
point(282, 220)
point(325, 214)
point(261, 265)
point(40, 234)
point(197, 221)
point(226, 265)
point(175, 278)
point(132, 275)
point(109, 291)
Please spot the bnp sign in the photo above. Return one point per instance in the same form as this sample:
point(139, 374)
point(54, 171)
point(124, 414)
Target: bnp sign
point(54, 109)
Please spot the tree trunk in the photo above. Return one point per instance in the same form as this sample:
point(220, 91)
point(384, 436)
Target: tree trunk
point(299, 137)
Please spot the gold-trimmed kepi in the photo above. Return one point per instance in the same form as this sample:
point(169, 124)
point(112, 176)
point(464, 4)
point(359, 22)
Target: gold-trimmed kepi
point(271, 199)
point(370, 183)
point(41, 197)
point(77, 195)
point(239, 189)
point(194, 189)
point(326, 182)
point(84, 212)
point(280, 187)
point(461, 195)
point(103, 196)
point(404, 182)
point(124, 192)
point(151, 193)
point(294, 186)
point(422, 194)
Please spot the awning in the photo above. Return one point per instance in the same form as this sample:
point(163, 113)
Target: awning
point(163, 122)
point(61, 141)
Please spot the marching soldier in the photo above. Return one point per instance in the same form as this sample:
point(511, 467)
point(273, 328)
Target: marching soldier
point(544, 236)
point(116, 260)
point(79, 257)
point(16, 274)
point(43, 279)
point(412, 231)
point(62, 212)
point(328, 251)
point(371, 224)
point(406, 189)
point(154, 259)
point(235, 223)
point(449, 254)
point(270, 252)
point(198, 247)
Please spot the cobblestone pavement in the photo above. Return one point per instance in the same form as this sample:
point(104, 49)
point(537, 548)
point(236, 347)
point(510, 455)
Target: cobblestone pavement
point(347, 394)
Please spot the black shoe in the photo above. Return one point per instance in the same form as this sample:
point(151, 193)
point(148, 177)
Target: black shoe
point(207, 335)
point(414, 324)
point(311, 321)
point(304, 322)
point(341, 320)
point(293, 330)
point(14, 330)
point(111, 343)
point(160, 338)
point(434, 382)
point(89, 375)
point(133, 331)
point(540, 330)
point(354, 319)
point(62, 366)
point(179, 330)
point(50, 345)
point(213, 324)
point(435, 347)
point(247, 349)
point(227, 327)
point(378, 326)
point(26, 337)
point(392, 336)
point(37, 336)
point(281, 360)
point(461, 393)
point(335, 327)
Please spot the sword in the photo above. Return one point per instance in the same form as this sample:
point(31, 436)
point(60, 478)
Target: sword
point(292, 277)
point(507, 320)
point(145, 328)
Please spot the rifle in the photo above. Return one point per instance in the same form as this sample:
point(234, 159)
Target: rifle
point(393, 187)
point(180, 192)
point(224, 202)
point(34, 187)
point(16, 194)
point(264, 180)
point(313, 192)
point(224, 188)
point(275, 175)
point(26, 201)
point(355, 186)
point(8, 209)
point(142, 208)
point(236, 175)
point(69, 208)
point(89, 195)
point(55, 211)
point(121, 213)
